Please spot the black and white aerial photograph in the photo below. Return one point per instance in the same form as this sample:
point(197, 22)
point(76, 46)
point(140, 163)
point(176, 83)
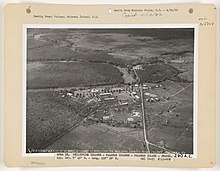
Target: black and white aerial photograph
point(109, 90)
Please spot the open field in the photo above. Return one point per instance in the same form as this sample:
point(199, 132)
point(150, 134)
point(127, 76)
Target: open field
point(36, 44)
point(171, 121)
point(169, 136)
point(126, 76)
point(123, 44)
point(48, 115)
point(70, 74)
point(100, 137)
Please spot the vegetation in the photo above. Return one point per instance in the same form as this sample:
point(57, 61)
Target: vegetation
point(156, 73)
point(48, 115)
point(71, 74)
point(34, 44)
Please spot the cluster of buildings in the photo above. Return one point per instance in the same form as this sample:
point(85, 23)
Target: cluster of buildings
point(151, 97)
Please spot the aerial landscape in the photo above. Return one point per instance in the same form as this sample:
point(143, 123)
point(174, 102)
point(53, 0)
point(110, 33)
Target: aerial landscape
point(110, 90)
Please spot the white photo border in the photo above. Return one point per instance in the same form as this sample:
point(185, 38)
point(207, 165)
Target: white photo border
point(108, 26)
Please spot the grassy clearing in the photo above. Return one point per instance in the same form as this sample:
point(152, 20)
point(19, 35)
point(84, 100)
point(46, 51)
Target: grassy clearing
point(47, 116)
point(34, 44)
point(58, 74)
point(49, 53)
point(98, 137)
point(127, 77)
point(43, 51)
point(173, 138)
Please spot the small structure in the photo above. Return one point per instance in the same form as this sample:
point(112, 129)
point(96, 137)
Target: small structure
point(109, 98)
point(137, 97)
point(136, 113)
point(130, 119)
point(105, 94)
point(69, 94)
point(106, 117)
point(123, 102)
point(94, 90)
point(138, 67)
point(116, 109)
point(157, 99)
point(151, 99)
point(150, 94)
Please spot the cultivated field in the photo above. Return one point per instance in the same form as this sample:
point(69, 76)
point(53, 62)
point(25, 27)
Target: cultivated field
point(100, 137)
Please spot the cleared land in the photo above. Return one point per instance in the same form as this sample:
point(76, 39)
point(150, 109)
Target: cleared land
point(100, 137)
point(71, 74)
point(48, 115)
point(171, 121)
